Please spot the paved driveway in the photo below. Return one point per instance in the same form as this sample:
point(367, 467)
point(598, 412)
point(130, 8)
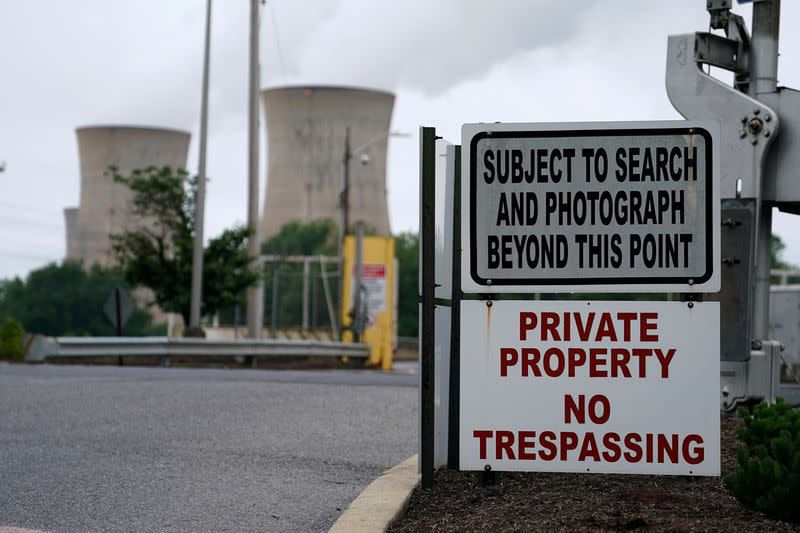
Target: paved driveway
point(154, 449)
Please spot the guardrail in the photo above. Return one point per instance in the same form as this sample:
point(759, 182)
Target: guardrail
point(164, 348)
point(408, 342)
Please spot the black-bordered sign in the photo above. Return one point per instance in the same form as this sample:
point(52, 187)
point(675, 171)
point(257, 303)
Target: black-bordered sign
point(590, 207)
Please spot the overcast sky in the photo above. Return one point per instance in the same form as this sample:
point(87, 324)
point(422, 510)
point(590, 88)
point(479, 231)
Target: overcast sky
point(67, 64)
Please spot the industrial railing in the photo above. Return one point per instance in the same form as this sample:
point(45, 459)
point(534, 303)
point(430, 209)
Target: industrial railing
point(164, 348)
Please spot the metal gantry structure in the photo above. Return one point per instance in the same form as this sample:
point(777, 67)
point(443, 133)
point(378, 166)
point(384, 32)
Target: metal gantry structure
point(759, 123)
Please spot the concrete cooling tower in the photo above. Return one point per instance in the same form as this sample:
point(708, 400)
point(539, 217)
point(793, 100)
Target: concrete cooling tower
point(305, 146)
point(105, 207)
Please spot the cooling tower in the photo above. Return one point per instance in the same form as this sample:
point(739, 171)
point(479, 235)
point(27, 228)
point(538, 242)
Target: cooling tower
point(306, 128)
point(105, 206)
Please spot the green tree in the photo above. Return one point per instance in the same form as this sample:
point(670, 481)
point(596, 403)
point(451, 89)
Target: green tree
point(11, 335)
point(768, 477)
point(317, 237)
point(67, 300)
point(776, 249)
point(158, 253)
point(406, 249)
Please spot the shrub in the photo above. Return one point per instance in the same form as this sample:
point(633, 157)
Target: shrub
point(768, 478)
point(11, 338)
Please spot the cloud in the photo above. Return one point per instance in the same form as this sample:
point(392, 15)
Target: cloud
point(424, 45)
point(67, 64)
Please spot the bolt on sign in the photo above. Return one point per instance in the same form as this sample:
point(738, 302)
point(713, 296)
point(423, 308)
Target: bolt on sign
point(590, 386)
point(590, 207)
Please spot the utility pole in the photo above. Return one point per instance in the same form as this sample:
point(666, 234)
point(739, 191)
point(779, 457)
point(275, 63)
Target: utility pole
point(346, 185)
point(344, 213)
point(344, 196)
point(254, 294)
point(200, 197)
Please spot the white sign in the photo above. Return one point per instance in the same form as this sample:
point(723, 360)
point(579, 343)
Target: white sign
point(590, 207)
point(579, 386)
point(373, 289)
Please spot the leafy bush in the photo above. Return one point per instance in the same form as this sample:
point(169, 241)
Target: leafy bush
point(11, 338)
point(768, 478)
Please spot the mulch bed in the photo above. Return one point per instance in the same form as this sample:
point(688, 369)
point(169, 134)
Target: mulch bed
point(536, 501)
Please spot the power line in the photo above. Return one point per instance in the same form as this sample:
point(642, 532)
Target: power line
point(31, 222)
point(274, 22)
point(26, 256)
point(27, 207)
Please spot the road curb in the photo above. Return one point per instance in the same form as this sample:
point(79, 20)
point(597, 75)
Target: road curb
point(382, 502)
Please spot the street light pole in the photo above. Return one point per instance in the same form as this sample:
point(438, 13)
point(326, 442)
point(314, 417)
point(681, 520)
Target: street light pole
point(254, 294)
point(346, 185)
point(200, 197)
point(344, 215)
point(344, 197)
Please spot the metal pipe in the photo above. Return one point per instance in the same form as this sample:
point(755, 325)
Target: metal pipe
point(329, 300)
point(346, 183)
point(344, 216)
point(454, 383)
point(764, 55)
point(118, 317)
point(763, 80)
point(200, 197)
point(306, 275)
point(761, 281)
point(357, 318)
point(255, 294)
point(274, 306)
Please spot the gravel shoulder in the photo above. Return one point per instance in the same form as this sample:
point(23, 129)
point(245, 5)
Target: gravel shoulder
point(534, 501)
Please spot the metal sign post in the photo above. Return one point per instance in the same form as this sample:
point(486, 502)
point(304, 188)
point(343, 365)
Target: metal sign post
point(118, 308)
point(455, 326)
point(426, 353)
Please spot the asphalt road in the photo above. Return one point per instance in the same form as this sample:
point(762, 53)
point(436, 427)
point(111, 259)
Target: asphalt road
point(176, 449)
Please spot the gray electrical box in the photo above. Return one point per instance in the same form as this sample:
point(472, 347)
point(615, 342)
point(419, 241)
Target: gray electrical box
point(736, 236)
point(782, 168)
point(784, 321)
